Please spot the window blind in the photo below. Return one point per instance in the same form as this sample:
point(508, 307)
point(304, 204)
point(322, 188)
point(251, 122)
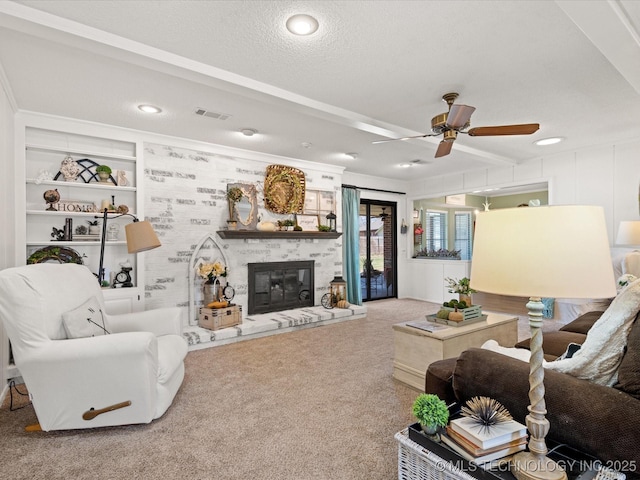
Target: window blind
point(463, 234)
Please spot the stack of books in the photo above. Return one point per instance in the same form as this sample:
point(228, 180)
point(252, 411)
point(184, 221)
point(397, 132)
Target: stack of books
point(484, 446)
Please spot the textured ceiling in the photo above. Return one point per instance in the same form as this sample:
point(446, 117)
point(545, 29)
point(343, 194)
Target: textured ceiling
point(374, 70)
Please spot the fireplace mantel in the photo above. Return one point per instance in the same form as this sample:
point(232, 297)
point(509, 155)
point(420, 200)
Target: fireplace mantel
point(243, 234)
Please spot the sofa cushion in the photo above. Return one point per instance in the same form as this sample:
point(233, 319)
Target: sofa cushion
point(629, 370)
point(85, 321)
point(438, 379)
point(583, 323)
point(554, 344)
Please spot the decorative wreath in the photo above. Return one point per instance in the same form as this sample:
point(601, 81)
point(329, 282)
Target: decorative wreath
point(284, 189)
point(58, 254)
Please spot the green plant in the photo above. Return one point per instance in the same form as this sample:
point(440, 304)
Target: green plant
point(288, 223)
point(297, 228)
point(324, 228)
point(103, 168)
point(234, 194)
point(430, 410)
point(93, 223)
point(459, 286)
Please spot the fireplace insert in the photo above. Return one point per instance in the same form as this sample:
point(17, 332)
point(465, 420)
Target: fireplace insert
point(276, 286)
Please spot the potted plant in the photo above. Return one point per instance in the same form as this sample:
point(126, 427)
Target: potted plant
point(288, 224)
point(462, 287)
point(104, 172)
point(234, 194)
point(324, 228)
point(431, 412)
point(94, 228)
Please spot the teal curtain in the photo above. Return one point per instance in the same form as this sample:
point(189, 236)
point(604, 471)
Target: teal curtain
point(351, 243)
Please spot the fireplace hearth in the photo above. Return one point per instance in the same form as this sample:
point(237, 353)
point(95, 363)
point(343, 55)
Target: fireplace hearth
point(277, 286)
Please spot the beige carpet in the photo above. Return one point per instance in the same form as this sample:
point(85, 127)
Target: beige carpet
point(318, 403)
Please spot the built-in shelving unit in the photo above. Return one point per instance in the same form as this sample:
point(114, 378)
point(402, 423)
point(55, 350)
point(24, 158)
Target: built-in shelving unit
point(47, 142)
point(257, 234)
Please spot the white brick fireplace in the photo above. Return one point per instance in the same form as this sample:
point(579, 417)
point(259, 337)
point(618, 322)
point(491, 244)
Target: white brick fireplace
point(184, 194)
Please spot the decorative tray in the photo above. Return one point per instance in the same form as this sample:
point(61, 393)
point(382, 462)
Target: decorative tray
point(451, 323)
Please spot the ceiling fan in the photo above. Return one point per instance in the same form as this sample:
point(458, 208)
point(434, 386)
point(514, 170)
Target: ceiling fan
point(456, 120)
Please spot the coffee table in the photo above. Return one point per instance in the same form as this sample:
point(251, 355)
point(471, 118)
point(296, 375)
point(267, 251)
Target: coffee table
point(415, 349)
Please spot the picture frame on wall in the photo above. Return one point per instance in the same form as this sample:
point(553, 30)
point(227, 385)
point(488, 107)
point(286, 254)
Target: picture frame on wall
point(309, 223)
point(327, 201)
point(311, 201)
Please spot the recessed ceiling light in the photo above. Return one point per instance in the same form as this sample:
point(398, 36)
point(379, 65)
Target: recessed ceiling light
point(306, 144)
point(405, 165)
point(248, 132)
point(302, 24)
point(548, 141)
point(149, 108)
point(351, 155)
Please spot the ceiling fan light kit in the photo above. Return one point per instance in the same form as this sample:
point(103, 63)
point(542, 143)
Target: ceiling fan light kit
point(457, 120)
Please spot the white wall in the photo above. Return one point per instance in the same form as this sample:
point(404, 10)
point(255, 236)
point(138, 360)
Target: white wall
point(608, 176)
point(7, 213)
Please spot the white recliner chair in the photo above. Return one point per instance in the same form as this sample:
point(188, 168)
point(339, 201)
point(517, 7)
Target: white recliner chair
point(82, 367)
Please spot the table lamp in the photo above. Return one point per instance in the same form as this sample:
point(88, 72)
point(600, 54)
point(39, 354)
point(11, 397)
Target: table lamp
point(140, 237)
point(550, 251)
point(628, 233)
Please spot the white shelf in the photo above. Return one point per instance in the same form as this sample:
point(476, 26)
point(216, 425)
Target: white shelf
point(88, 153)
point(97, 215)
point(47, 243)
point(91, 185)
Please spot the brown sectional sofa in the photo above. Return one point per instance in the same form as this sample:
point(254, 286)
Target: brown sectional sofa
point(601, 421)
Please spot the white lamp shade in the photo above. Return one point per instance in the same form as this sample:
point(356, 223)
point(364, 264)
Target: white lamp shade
point(141, 237)
point(628, 233)
point(550, 251)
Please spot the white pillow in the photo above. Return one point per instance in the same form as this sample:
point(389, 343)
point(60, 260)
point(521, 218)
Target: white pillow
point(85, 321)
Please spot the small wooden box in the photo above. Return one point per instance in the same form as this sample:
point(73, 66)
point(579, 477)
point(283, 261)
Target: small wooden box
point(474, 311)
point(217, 318)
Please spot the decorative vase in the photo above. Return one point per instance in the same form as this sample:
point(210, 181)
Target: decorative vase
point(212, 292)
point(104, 177)
point(232, 224)
point(466, 298)
point(429, 429)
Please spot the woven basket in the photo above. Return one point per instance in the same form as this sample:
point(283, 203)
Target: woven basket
point(417, 463)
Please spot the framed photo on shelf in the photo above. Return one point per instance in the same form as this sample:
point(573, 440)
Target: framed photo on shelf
point(309, 223)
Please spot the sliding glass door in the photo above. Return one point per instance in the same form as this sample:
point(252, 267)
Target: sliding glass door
point(378, 249)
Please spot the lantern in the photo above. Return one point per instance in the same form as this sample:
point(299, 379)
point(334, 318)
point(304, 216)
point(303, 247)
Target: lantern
point(337, 296)
point(331, 220)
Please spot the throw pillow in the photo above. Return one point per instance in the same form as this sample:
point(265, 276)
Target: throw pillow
point(85, 321)
point(629, 370)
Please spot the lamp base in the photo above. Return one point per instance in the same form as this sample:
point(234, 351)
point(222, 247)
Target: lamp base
point(529, 466)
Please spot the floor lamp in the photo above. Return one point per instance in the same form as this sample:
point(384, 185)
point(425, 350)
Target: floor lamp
point(140, 237)
point(551, 251)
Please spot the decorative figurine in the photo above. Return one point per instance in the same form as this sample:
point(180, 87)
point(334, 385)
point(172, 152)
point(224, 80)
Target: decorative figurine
point(52, 197)
point(69, 169)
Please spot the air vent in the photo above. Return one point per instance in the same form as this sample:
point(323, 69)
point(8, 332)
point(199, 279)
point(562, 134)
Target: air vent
point(205, 113)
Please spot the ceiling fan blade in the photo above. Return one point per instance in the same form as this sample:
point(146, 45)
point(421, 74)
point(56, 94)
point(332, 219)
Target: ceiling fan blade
point(523, 129)
point(444, 148)
point(403, 138)
point(459, 115)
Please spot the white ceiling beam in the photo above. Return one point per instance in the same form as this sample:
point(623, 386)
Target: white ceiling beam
point(609, 27)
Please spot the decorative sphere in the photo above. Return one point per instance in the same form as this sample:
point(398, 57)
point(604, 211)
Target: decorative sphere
point(52, 196)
